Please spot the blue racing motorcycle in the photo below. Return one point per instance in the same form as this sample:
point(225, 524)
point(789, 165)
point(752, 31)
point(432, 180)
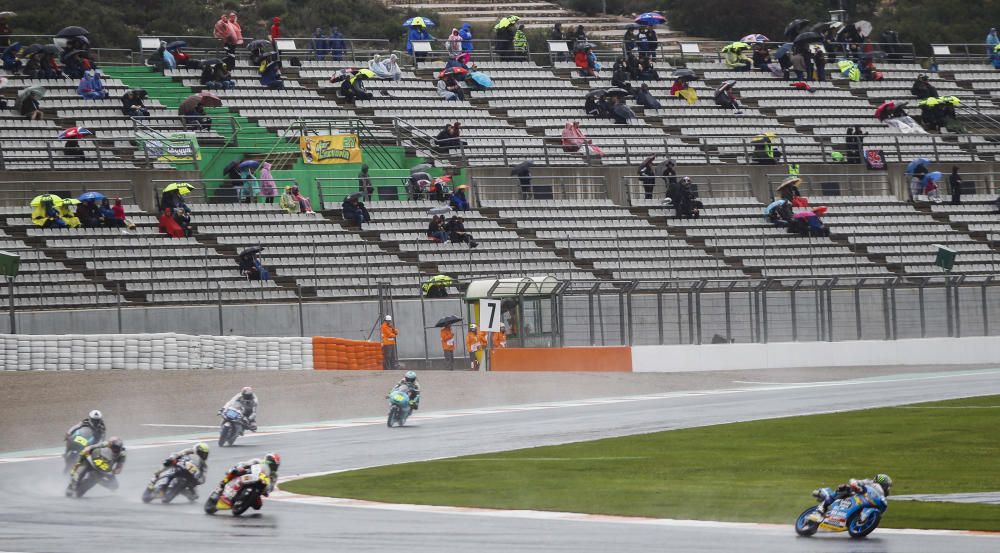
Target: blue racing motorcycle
point(858, 515)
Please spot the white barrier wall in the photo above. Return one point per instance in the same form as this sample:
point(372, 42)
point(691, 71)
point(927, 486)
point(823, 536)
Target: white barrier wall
point(152, 351)
point(720, 357)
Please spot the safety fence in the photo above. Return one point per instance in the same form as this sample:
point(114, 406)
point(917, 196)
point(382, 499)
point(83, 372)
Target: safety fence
point(978, 53)
point(20, 193)
point(200, 46)
point(245, 190)
point(892, 52)
point(653, 190)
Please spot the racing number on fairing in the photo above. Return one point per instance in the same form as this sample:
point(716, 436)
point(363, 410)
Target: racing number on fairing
point(81, 440)
point(101, 464)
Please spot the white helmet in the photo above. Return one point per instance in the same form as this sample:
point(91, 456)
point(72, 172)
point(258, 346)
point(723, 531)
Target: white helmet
point(246, 392)
point(95, 415)
point(388, 318)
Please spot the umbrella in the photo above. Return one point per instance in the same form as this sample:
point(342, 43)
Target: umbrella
point(725, 86)
point(599, 92)
point(790, 181)
point(808, 37)
point(7, 15)
point(506, 22)
point(932, 176)
point(735, 46)
point(37, 92)
point(252, 250)
point(72, 31)
point(250, 164)
point(181, 187)
point(206, 99)
point(482, 79)
point(450, 71)
point(783, 49)
point(74, 133)
point(773, 205)
point(31, 50)
point(794, 27)
point(764, 137)
point(419, 22)
point(420, 168)
point(91, 196)
point(230, 167)
point(522, 169)
point(51, 49)
point(448, 321)
point(651, 18)
point(631, 26)
point(259, 44)
point(820, 210)
point(882, 108)
point(616, 92)
point(68, 55)
point(864, 28)
point(39, 200)
point(756, 37)
point(803, 215)
point(583, 45)
point(175, 45)
point(822, 26)
point(682, 73)
point(443, 210)
point(420, 176)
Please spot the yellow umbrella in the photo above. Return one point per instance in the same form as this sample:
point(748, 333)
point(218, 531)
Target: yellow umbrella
point(417, 22)
point(764, 136)
point(506, 22)
point(790, 181)
point(70, 201)
point(39, 200)
point(182, 187)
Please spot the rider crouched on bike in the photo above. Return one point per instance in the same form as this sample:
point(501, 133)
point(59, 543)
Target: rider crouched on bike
point(410, 381)
point(115, 445)
point(94, 421)
point(881, 484)
point(197, 454)
point(233, 481)
point(245, 402)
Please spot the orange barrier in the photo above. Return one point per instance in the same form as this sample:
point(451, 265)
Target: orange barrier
point(607, 359)
point(339, 354)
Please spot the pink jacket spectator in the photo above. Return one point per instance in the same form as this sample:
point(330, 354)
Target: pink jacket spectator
point(268, 188)
point(573, 140)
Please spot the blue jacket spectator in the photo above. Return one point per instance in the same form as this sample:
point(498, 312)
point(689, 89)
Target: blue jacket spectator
point(466, 33)
point(90, 86)
point(271, 77)
point(992, 39)
point(320, 45)
point(416, 33)
point(337, 44)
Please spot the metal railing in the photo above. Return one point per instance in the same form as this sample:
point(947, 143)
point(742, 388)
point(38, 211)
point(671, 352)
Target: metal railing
point(88, 153)
point(222, 191)
point(879, 51)
point(833, 184)
point(482, 50)
point(714, 186)
point(961, 52)
point(548, 187)
point(21, 192)
point(387, 185)
point(356, 50)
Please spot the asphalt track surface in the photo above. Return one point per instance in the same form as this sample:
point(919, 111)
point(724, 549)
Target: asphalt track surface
point(35, 517)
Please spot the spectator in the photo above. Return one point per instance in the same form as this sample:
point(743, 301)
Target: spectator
point(646, 99)
point(647, 177)
point(595, 106)
point(449, 89)
point(681, 89)
point(353, 89)
point(619, 75)
point(132, 105)
point(72, 149)
point(779, 213)
point(688, 205)
point(453, 44)
point(91, 87)
point(354, 210)
point(799, 65)
point(417, 33)
point(556, 35)
point(119, 213)
point(646, 70)
point(76, 65)
point(725, 96)
point(955, 184)
point(250, 265)
point(224, 33)
point(455, 227)
point(305, 205)
point(922, 88)
point(992, 40)
point(68, 216)
point(642, 37)
point(418, 184)
point(235, 28)
point(389, 333)
point(761, 57)
point(575, 140)
point(108, 216)
point(288, 201)
point(789, 191)
point(320, 46)
point(736, 58)
point(632, 65)
point(669, 175)
point(268, 188)
point(275, 33)
point(439, 188)
point(168, 224)
point(465, 31)
point(521, 43)
point(446, 139)
point(580, 35)
point(89, 214)
point(458, 200)
point(652, 43)
point(338, 45)
point(182, 216)
point(365, 183)
point(215, 76)
point(629, 40)
point(435, 229)
point(620, 112)
point(271, 76)
point(169, 199)
point(582, 59)
point(48, 216)
point(808, 223)
point(448, 346)
point(858, 154)
point(819, 59)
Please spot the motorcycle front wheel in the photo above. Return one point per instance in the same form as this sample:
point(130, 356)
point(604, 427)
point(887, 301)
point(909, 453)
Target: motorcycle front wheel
point(393, 415)
point(858, 529)
point(148, 494)
point(173, 488)
point(804, 526)
point(210, 508)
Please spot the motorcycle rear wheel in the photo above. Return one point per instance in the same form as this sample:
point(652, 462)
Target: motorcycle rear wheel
point(243, 502)
point(805, 527)
point(858, 529)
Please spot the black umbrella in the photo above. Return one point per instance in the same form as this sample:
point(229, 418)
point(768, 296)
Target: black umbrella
point(616, 92)
point(794, 27)
point(682, 73)
point(231, 167)
point(522, 169)
point(808, 37)
point(32, 50)
point(582, 45)
point(67, 55)
point(849, 33)
point(600, 92)
point(258, 45)
point(356, 195)
point(176, 44)
point(52, 50)
point(140, 93)
point(72, 31)
point(210, 62)
point(632, 26)
point(447, 321)
point(252, 250)
point(623, 111)
point(725, 86)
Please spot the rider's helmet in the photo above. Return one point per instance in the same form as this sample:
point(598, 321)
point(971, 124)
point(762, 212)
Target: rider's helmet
point(201, 448)
point(388, 318)
point(247, 392)
point(273, 460)
point(473, 327)
point(95, 417)
point(884, 481)
point(410, 377)
point(685, 181)
point(116, 445)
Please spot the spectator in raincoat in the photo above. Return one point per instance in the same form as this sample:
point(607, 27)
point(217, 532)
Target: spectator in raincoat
point(47, 216)
point(271, 76)
point(68, 216)
point(646, 99)
point(521, 42)
point(337, 44)
point(922, 88)
point(465, 31)
point(587, 62)
point(268, 188)
point(319, 44)
point(305, 206)
point(992, 41)
point(458, 201)
point(575, 140)
point(216, 76)
point(737, 60)
point(453, 44)
point(629, 41)
point(108, 216)
point(224, 32)
point(687, 206)
point(505, 41)
point(91, 87)
point(417, 33)
point(387, 68)
point(275, 33)
point(288, 201)
point(235, 28)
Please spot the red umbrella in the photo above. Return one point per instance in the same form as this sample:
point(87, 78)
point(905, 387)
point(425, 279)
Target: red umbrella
point(804, 214)
point(881, 109)
point(452, 71)
point(75, 133)
point(820, 210)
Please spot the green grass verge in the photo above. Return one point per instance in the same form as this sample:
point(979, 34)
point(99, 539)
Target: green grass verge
point(761, 471)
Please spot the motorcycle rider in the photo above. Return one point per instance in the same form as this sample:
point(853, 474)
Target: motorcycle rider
point(881, 483)
point(116, 447)
point(410, 381)
point(245, 402)
point(94, 421)
point(198, 454)
point(232, 482)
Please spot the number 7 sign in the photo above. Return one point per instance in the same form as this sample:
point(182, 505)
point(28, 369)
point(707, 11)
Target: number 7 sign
point(489, 315)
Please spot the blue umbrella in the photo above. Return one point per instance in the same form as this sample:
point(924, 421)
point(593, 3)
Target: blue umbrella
point(175, 45)
point(783, 49)
point(933, 176)
point(482, 79)
point(773, 205)
point(250, 164)
point(917, 163)
point(651, 18)
point(88, 196)
point(427, 22)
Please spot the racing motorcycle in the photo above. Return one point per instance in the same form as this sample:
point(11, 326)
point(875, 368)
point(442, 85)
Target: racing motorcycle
point(81, 438)
point(252, 487)
point(400, 406)
point(181, 477)
point(233, 423)
point(858, 515)
point(98, 468)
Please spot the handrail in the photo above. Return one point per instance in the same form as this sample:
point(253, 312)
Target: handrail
point(355, 50)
